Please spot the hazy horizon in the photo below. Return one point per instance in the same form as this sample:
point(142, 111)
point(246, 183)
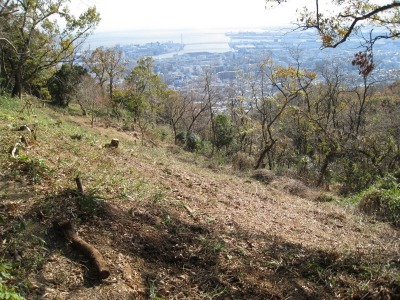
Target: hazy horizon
point(186, 36)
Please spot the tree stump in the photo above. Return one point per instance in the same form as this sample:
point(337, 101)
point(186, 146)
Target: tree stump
point(114, 144)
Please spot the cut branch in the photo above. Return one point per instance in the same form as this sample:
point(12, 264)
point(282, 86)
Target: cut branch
point(87, 249)
point(14, 150)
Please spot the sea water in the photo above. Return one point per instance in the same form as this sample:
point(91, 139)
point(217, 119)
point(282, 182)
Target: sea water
point(194, 40)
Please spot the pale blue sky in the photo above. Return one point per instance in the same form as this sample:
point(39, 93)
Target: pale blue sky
point(195, 14)
point(192, 14)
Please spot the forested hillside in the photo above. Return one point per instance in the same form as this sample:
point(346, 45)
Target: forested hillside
point(174, 224)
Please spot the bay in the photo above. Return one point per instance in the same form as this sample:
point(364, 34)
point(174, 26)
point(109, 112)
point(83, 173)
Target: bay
point(194, 40)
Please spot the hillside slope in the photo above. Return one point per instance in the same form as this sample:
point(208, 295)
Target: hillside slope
point(171, 228)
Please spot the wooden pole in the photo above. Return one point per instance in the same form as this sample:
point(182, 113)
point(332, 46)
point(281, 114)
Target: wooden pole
point(79, 184)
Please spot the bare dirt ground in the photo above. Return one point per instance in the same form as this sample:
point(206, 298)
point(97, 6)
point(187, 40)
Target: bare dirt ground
point(169, 228)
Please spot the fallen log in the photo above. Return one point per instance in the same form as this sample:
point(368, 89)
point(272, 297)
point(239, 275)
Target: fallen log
point(94, 255)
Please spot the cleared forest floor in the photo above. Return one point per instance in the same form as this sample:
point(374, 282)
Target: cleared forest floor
point(173, 225)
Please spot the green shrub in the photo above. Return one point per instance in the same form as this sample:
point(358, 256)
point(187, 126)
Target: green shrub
point(162, 134)
point(127, 126)
point(223, 131)
point(388, 182)
point(193, 142)
point(382, 200)
point(325, 198)
point(35, 169)
point(8, 103)
point(356, 176)
point(7, 291)
point(90, 204)
point(181, 138)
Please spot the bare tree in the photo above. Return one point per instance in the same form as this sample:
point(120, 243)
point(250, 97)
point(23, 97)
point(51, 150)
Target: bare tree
point(90, 97)
point(107, 65)
point(175, 107)
point(211, 98)
point(336, 26)
point(276, 89)
point(241, 108)
point(195, 109)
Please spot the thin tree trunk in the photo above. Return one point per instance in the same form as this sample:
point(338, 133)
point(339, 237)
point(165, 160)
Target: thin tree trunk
point(262, 155)
point(323, 173)
point(17, 89)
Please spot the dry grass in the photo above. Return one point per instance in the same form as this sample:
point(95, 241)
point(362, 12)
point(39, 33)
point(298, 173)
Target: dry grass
point(170, 229)
point(263, 175)
point(242, 161)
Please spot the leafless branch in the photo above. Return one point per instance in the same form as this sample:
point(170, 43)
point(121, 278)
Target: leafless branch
point(361, 18)
point(11, 44)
